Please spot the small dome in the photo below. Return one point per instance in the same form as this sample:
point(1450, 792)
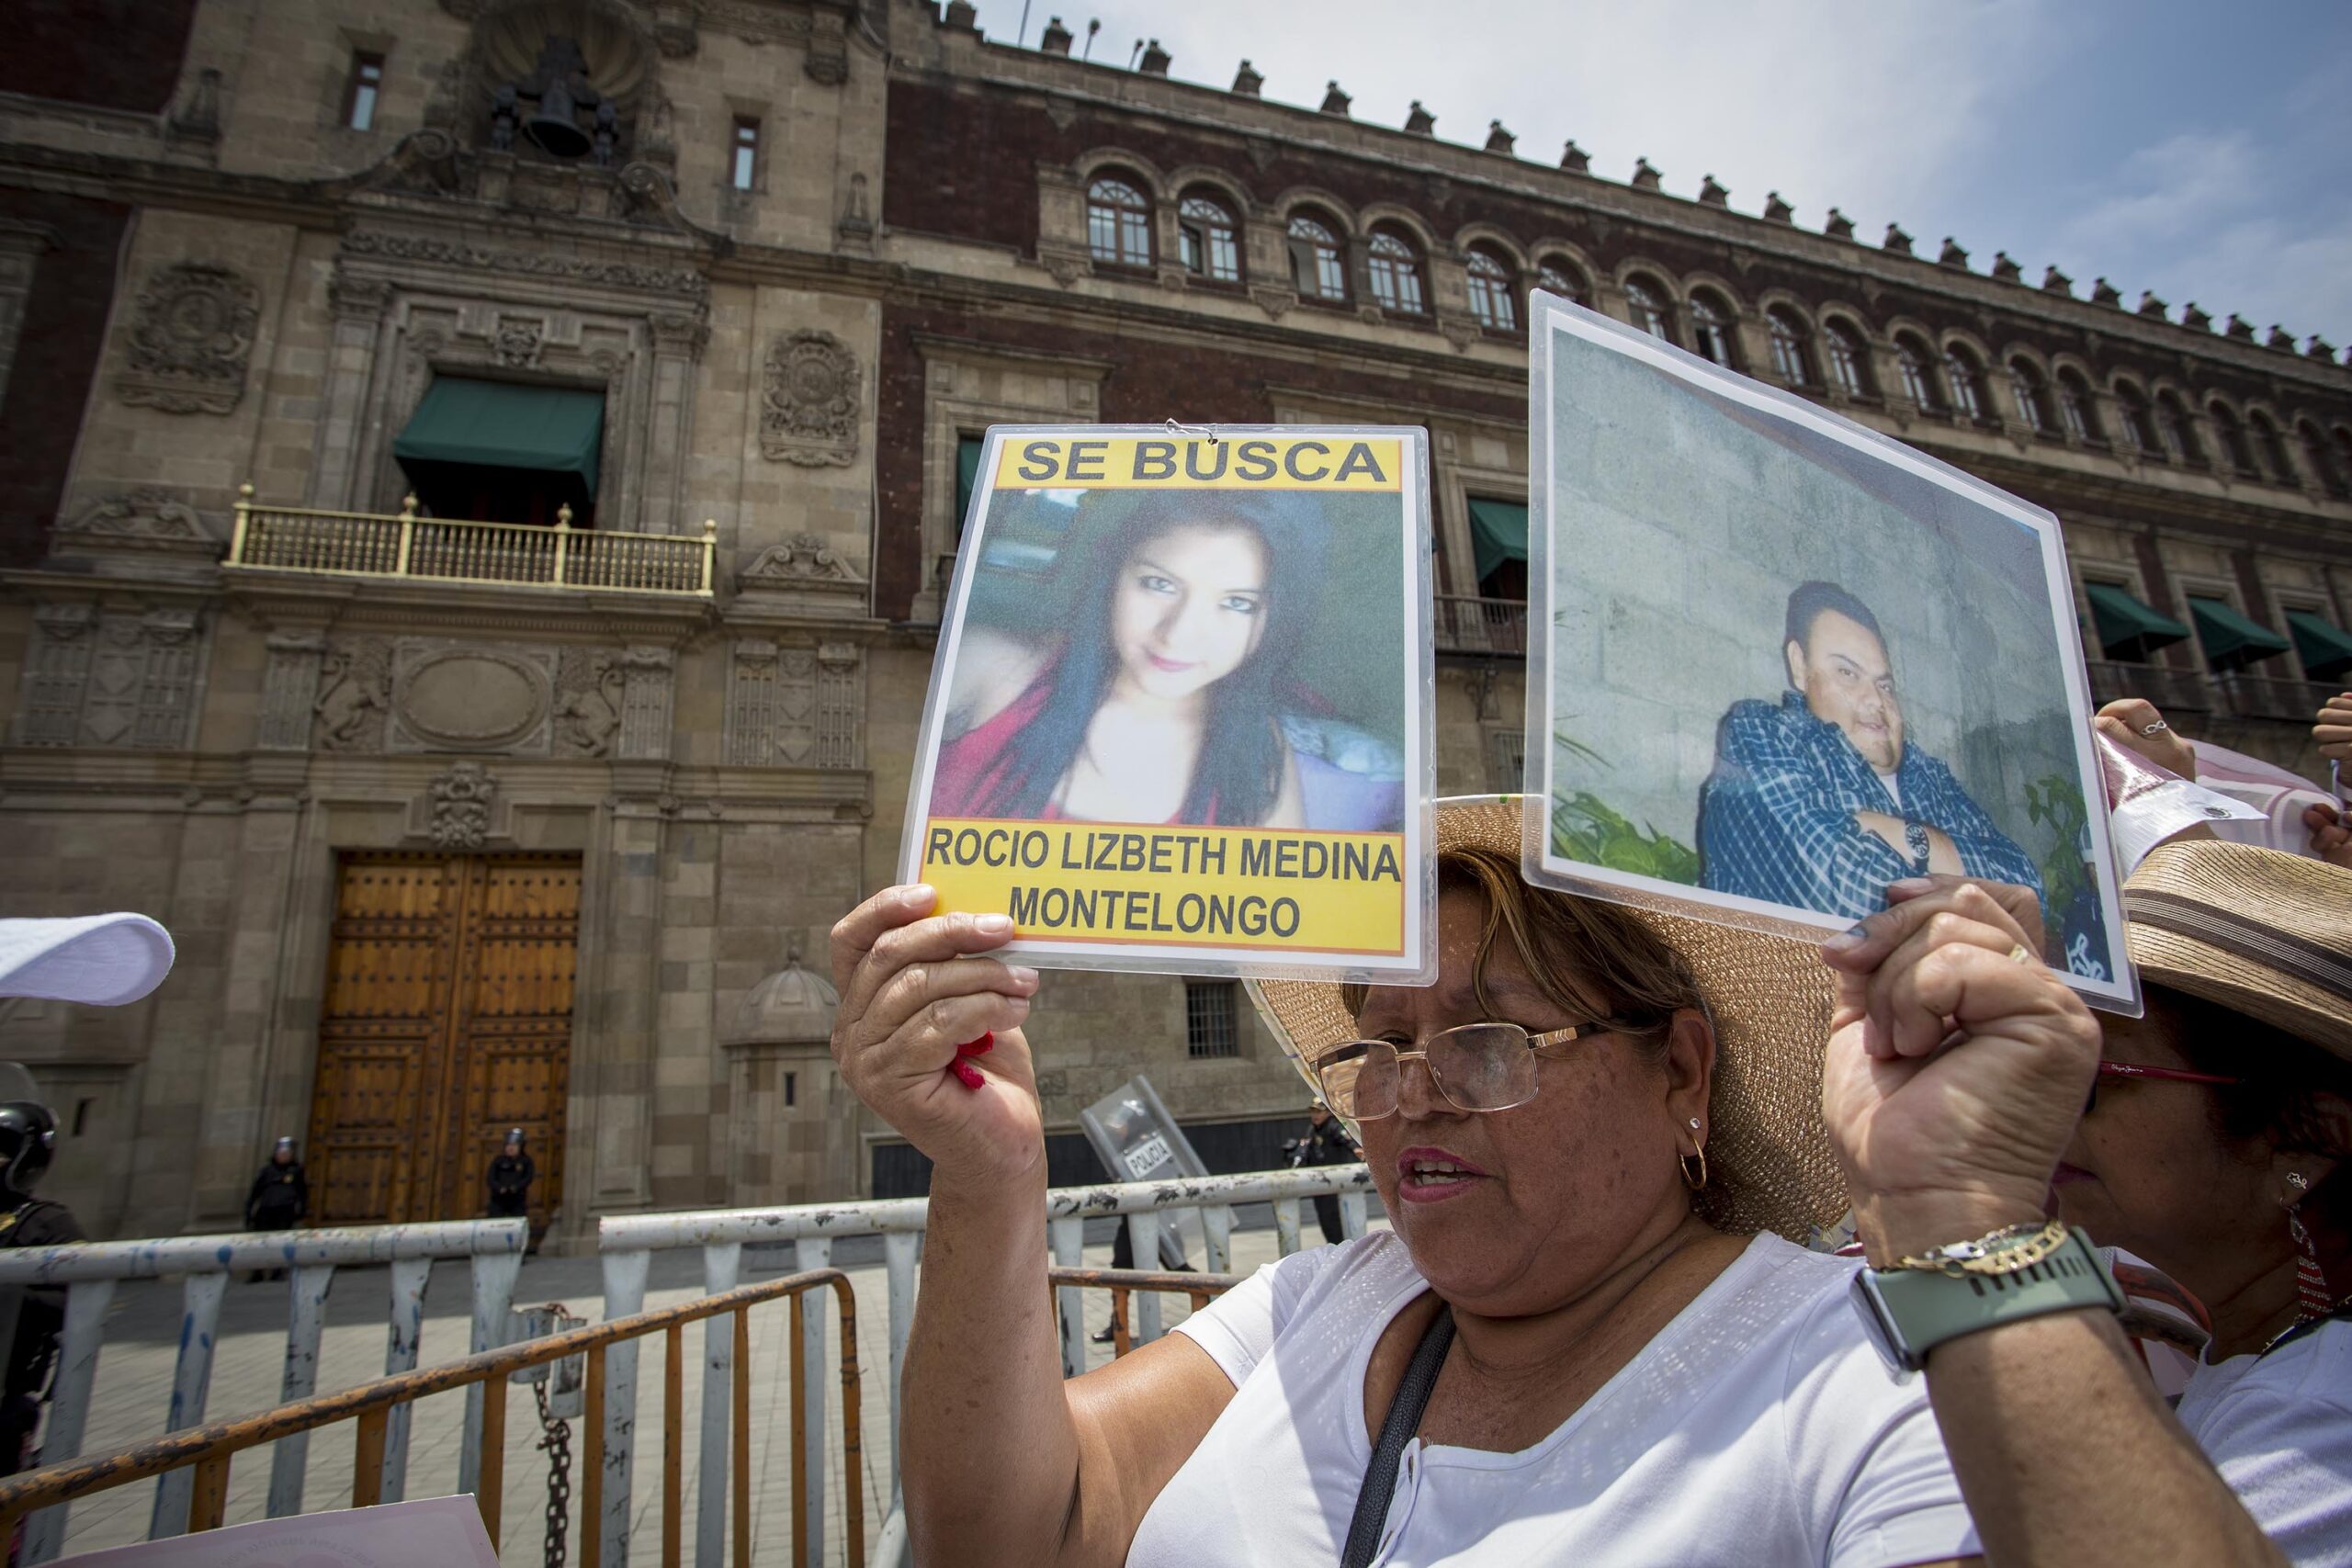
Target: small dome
point(790, 1007)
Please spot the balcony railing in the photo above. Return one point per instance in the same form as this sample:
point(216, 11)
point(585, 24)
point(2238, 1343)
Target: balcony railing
point(2273, 696)
point(1466, 625)
point(441, 550)
point(2168, 688)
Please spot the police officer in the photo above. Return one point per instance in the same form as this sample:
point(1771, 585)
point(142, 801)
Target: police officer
point(510, 1180)
point(281, 1196)
point(28, 1136)
point(1326, 1142)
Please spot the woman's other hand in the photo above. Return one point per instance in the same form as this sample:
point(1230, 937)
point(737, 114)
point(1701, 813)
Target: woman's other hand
point(914, 987)
point(2126, 721)
point(2331, 834)
point(2333, 733)
point(1957, 1065)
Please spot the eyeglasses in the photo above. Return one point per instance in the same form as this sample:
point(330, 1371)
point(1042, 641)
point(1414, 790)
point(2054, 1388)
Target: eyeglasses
point(1478, 1066)
point(2161, 1075)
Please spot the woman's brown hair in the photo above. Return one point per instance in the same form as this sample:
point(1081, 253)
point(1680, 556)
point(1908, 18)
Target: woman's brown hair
point(1596, 960)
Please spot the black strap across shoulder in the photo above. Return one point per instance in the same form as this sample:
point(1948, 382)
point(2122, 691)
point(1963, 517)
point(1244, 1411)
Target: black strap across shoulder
point(1404, 1419)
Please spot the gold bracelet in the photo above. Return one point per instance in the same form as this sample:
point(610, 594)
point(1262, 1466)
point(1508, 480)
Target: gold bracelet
point(2004, 1251)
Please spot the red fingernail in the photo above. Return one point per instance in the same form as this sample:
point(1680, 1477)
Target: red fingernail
point(980, 1047)
point(965, 1073)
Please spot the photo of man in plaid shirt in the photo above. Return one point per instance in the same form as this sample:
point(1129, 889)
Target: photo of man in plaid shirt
point(1818, 802)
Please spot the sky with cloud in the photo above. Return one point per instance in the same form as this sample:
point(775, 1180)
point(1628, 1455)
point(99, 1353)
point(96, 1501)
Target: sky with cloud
point(2200, 151)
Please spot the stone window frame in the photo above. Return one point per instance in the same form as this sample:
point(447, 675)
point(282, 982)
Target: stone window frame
point(2084, 426)
point(2028, 383)
point(2325, 461)
point(1570, 265)
point(1112, 220)
point(1326, 264)
point(1903, 334)
point(1494, 289)
point(1791, 338)
point(1397, 272)
point(2231, 438)
point(2135, 416)
point(643, 362)
point(1202, 227)
point(2174, 409)
point(1852, 375)
point(1722, 318)
point(342, 139)
point(1665, 301)
point(2272, 454)
point(1964, 361)
point(954, 406)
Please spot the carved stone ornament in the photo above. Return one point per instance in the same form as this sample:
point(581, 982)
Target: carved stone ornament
point(354, 696)
point(458, 808)
point(810, 403)
point(517, 341)
point(589, 686)
point(806, 559)
point(148, 519)
point(191, 338)
point(432, 250)
point(469, 698)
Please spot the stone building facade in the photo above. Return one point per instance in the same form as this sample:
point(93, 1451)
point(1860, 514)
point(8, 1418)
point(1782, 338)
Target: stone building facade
point(462, 828)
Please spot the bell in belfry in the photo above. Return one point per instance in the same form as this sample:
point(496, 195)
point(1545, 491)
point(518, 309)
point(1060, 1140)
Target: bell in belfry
point(565, 98)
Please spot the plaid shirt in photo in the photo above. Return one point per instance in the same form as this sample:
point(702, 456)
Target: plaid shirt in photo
point(1776, 817)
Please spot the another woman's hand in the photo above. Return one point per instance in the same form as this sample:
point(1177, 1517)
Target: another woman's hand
point(2126, 720)
point(1957, 1067)
point(2331, 834)
point(2333, 733)
point(914, 987)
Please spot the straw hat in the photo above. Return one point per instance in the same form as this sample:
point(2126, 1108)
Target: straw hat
point(2259, 932)
point(1768, 1152)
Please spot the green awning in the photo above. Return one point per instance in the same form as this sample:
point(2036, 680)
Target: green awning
point(967, 475)
point(1497, 533)
point(2229, 637)
point(2325, 649)
point(470, 425)
point(2126, 625)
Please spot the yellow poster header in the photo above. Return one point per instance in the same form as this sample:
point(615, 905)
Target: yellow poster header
point(1261, 889)
point(1184, 462)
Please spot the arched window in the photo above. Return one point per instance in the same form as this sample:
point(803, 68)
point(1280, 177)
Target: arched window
point(1645, 302)
point(1318, 268)
point(2273, 451)
point(1916, 365)
point(1118, 223)
point(2233, 435)
point(1560, 277)
point(1710, 329)
point(1791, 360)
point(1967, 378)
point(2178, 435)
point(1210, 237)
point(2322, 461)
point(1491, 287)
point(2139, 429)
point(2032, 396)
point(1396, 273)
point(2074, 408)
point(1850, 365)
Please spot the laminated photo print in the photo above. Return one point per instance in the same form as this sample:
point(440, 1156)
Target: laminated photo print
point(1179, 717)
point(1779, 660)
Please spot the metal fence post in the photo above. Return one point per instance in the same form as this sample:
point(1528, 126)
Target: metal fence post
point(290, 1454)
point(1067, 1237)
point(69, 1410)
point(1216, 1237)
point(409, 1277)
point(625, 1275)
point(814, 1252)
point(1143, 1239)
point(495, 1276)
point(1352, 1215)
point(898, 1253)
point(199, 1327)
point(1285, 1225)
point(722, 1265)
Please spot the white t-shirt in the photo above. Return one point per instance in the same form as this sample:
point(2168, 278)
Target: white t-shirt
point(1758, 1429)
point(1893, 784)
point(2278, 1427)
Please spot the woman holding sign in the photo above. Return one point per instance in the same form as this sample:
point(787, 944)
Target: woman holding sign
point(1581, 1344)
point(1171, 695)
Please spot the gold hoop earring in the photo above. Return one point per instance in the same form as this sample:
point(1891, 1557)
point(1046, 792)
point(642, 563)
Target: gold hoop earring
point(1700, 1155)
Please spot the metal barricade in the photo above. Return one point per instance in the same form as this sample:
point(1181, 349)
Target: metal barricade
point(628, 1242)
point(92, 1269)
point(203, 1454)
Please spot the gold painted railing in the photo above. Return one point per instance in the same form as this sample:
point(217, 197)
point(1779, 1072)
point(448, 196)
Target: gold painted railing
point(441, 550)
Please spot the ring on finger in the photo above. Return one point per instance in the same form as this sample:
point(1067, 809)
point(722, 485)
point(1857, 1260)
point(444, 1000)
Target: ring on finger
point(2156, 729)
point(2020, 954)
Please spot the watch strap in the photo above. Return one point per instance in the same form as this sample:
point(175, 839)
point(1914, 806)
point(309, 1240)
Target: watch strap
point(1920, 1309)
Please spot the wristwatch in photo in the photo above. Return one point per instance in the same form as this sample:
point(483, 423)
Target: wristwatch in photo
point(1914, 834)
point(1909, 1310)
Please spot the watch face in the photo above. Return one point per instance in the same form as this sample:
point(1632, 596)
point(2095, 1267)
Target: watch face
point(1877, 1326)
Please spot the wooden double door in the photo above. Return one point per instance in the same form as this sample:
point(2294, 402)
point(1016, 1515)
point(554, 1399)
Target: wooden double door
point(448, 1021)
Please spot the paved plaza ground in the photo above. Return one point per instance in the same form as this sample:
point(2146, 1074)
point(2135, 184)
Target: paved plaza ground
point(135, 1378)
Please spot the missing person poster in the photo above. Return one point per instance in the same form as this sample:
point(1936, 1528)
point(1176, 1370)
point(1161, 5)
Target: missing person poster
point(1779, 661)
point(1179, 718)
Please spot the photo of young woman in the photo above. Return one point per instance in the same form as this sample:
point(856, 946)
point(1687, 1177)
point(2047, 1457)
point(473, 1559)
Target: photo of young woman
point(1167, 685)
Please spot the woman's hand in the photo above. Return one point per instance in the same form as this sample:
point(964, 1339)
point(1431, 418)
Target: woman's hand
point(912, 990)
point(2331, 834)
point(2333, 733)
point(1957, 1065)
point(2126, 721)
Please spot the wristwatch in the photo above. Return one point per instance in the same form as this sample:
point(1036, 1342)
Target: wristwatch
point(1906, 1313)
point(1914, 834)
